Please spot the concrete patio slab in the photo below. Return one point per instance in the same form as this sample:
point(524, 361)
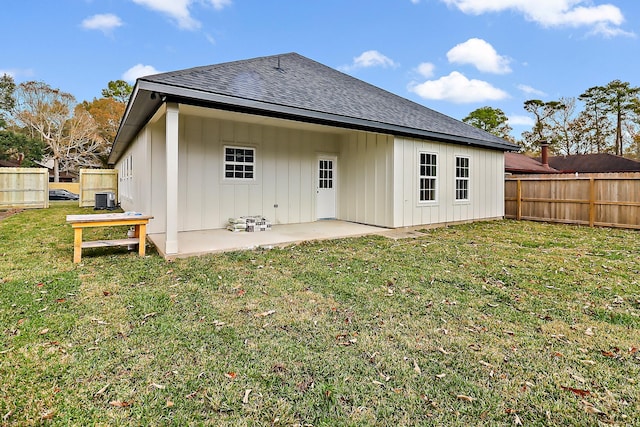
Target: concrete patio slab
point(192, 243)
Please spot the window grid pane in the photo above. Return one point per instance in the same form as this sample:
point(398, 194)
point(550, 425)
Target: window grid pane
point(325, 174)
point(462, 178)
point(239, 163)
point(428, 176)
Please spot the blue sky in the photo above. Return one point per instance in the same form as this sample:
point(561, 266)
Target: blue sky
point(451, 55)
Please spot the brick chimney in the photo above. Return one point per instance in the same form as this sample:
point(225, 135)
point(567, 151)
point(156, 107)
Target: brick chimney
point(545, 154)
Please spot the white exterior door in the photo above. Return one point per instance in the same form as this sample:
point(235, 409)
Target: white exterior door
point(326, 187)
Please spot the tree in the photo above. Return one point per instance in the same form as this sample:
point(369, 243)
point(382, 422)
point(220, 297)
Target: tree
point(492, 120)
point(619, 97)
point(118, 90)
point(7, 100)
point(107, 113)
point(16, 147)
point(595, 118)
point(69, 133)
point(542, 128)
point(564, 125)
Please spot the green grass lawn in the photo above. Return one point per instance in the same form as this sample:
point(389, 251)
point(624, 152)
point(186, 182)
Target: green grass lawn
point(496, 323)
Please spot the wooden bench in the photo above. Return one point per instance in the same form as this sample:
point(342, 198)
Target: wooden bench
point(80, 222)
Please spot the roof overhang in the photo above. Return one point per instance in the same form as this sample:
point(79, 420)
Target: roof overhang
point(148, 96)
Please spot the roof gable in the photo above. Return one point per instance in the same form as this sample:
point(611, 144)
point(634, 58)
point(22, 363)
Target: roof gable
point(293, 86)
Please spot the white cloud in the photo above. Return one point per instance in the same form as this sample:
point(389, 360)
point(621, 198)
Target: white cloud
point(178, 10)
point(370, 58)
point(548, 13)
point(17, 72)
point(608, 31)
point(426, 69)
point(516, 120)
point(530, 90)
point(458, 89)
point(220, 4)
point(481, 55)
point(138, 70)
point(104, 22)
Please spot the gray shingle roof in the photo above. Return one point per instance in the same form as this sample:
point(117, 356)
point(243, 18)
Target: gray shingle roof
point(594, 163)
point(291, 85)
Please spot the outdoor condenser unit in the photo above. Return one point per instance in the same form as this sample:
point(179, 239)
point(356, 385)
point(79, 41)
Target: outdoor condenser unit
point(105, 200)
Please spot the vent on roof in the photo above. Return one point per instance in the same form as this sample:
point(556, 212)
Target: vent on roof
point(278, 68)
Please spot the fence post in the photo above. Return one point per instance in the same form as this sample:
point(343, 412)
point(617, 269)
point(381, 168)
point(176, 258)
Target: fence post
point(518, 200)
point(592, 201)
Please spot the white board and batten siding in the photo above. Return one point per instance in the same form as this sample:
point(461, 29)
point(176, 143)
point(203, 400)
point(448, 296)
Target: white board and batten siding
point(486, 184)
point(366, 179)
point(282, 189)
point(377, 175)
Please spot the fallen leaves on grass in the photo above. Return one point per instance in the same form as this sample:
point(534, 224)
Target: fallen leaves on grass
point(416, 368)
point(265, 313)
point(443, 351)
point(102, 390)
point(576, 391)
point(589, 331)
point(230, 375)
point(158, 386)
point(245, 398)
point(465, 398)
point(44, 331)
point(120, 403)
point(48, 415)
point(590, 409)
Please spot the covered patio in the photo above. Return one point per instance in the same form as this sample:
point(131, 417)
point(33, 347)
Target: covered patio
point(191, 243)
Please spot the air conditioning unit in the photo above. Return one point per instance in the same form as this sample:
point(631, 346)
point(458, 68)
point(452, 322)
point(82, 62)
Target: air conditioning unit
point(105, 200)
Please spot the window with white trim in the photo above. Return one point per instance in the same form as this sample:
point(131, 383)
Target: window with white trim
point(239, 163)
point(428, 172)
point(126, 177)
point(462, 178)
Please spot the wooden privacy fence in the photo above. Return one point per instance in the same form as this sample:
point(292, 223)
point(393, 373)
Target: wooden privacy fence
point(24, 188)
point(94, 181)
point(607, 200)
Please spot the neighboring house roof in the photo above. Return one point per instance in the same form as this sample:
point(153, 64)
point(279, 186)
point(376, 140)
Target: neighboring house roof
point(519, 163)
point(594, 163)
point(291, 86)
point(8, 164)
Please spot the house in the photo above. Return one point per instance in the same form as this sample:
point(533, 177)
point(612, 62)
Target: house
point(296, 141)
point(518, 163)
point(594, 163)
point(63, 176)
point(9, 164)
